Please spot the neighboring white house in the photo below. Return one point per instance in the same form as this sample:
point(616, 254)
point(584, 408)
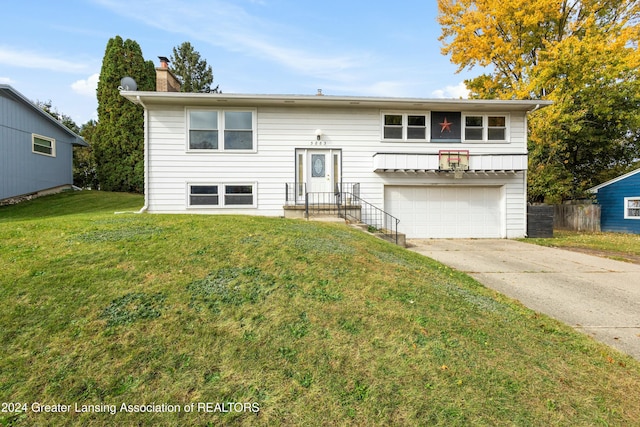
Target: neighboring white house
point(254, 154)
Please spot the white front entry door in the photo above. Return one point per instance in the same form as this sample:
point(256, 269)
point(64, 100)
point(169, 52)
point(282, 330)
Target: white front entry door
point(319, 170)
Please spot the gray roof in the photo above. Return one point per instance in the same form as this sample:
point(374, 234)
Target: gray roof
point(195, 99)
point(10, 92)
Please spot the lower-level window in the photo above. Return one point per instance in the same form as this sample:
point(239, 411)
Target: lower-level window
point(203, 195)
point(222, 195)
point(632, 207)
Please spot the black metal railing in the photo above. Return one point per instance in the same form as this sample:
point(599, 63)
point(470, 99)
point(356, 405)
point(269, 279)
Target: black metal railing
point(375, 218)
point(344, 202)
point(294, 193)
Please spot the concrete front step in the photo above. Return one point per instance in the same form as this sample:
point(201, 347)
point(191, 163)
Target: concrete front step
point(326, 218)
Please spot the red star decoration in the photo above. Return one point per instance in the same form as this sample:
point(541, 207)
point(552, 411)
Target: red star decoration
point(446, 125)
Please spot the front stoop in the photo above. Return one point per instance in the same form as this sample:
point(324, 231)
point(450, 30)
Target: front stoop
point(294, 211)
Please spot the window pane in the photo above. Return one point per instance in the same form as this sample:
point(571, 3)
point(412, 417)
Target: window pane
point(395, 120)
point(446, 126)
point(203, 139)
point(417, 120)
point(238, 195)
point(42, 145)
point(473, 134)
point(238, 140)
point(203, 120)
point(238, 189)
point(473, 121)
point(41, 149)
point(203, 200)
point(496, 134)
point(417, 127)
point(204, 189)
point(318, 165)
point(497, 121)
point(416, 133)
point(203, 195)
point(238, 200)
point(238, 120)
point(392, 133)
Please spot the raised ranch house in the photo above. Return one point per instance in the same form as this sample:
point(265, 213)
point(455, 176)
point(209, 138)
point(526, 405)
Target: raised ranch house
point(444, 168)
point(36, 151)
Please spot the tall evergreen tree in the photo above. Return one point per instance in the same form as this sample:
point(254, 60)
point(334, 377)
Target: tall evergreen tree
point(194, 73)
point(118, 142)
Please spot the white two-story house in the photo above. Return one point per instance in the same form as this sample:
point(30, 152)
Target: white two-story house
point(443, 167)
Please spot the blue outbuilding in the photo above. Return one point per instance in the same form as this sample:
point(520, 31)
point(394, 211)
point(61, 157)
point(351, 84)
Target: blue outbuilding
point(619, 200)
point(36, 150)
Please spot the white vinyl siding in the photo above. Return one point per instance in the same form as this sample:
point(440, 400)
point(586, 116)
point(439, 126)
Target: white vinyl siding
point(280, 130)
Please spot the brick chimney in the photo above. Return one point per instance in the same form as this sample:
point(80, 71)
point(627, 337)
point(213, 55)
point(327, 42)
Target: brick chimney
point(165, 80)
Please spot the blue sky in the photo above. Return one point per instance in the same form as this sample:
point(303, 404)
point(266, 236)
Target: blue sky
point(54, 50)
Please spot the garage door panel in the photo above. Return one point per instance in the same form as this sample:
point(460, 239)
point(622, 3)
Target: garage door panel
point(439, 212)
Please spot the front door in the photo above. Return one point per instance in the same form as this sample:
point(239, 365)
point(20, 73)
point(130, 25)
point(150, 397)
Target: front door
point(318, 170)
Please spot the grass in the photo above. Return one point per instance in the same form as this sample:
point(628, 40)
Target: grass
point(621, 246)
point(303, 322)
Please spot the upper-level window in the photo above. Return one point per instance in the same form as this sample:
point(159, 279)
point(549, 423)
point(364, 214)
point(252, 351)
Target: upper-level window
point(406, 126)
point(221, 130)
point(43, 145)
point(485, 127)
point(445, 126)
point(632, 207)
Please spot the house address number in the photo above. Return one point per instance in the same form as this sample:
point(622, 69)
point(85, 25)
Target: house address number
point(318, 143)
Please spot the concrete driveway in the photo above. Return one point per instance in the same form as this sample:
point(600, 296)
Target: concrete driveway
point(595, 295)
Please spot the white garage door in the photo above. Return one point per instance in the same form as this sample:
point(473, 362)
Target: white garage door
point(442, 212)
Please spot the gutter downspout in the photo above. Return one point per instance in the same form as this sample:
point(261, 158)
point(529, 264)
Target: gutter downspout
point(145, 156)
point(537, 107)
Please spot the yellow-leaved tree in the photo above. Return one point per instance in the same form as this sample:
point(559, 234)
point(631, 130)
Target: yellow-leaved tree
point(581, 54)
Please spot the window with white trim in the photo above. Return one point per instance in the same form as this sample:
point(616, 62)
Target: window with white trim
point(43, 145)
point(222, 195)
point(404, 126)
point(485, 127)
point(221, 130)
point(632, 208)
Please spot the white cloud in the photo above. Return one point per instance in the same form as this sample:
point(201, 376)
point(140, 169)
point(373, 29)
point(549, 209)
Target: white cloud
point(5, 80)
point(27, 59)
point(458, 91)
point(88, 86)
point(230, 26)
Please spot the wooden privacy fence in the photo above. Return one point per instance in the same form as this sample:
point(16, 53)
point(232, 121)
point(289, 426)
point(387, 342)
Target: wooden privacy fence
point(577, 217)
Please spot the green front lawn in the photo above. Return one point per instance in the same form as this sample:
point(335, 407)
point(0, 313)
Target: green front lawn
point(239, 320)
